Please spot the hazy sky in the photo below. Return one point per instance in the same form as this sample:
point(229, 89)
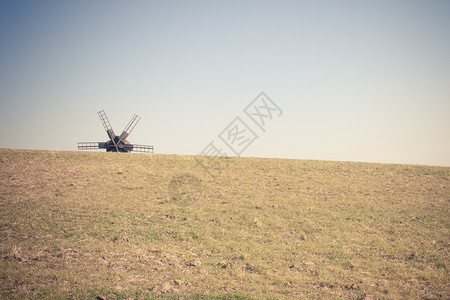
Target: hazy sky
point(356, 80)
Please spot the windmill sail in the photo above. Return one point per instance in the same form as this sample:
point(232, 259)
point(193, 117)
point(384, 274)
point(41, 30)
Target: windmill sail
point(108, 127)
point(129, 128)
point(88, 145)
point(142, 148)
point(106, 124)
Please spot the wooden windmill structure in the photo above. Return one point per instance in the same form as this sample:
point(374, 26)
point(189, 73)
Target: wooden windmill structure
point(116, 143)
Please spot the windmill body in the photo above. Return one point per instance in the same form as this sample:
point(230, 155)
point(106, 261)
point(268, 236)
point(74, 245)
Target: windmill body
point(116, 143)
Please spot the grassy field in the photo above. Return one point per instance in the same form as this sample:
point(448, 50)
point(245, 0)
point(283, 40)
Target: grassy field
point(137, 226)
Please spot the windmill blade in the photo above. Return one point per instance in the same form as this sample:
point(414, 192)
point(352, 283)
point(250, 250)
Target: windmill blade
point(91, 145)
point(142, 148)
point(129, 128)
point(108, 127)
point(106, 124)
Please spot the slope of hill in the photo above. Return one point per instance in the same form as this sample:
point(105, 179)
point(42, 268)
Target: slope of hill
point(115, 226)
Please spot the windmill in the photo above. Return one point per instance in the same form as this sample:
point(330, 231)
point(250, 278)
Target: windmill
point(116, 143)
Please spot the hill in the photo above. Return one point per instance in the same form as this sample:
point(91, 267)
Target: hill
point(117, 226)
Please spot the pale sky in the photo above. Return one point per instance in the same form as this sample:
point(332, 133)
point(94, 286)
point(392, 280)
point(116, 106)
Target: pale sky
point(356, 80)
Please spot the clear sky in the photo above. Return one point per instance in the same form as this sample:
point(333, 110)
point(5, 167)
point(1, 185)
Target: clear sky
point(356, 80)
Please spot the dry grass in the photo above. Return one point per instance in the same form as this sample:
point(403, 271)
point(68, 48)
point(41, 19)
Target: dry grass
point(117, 226)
